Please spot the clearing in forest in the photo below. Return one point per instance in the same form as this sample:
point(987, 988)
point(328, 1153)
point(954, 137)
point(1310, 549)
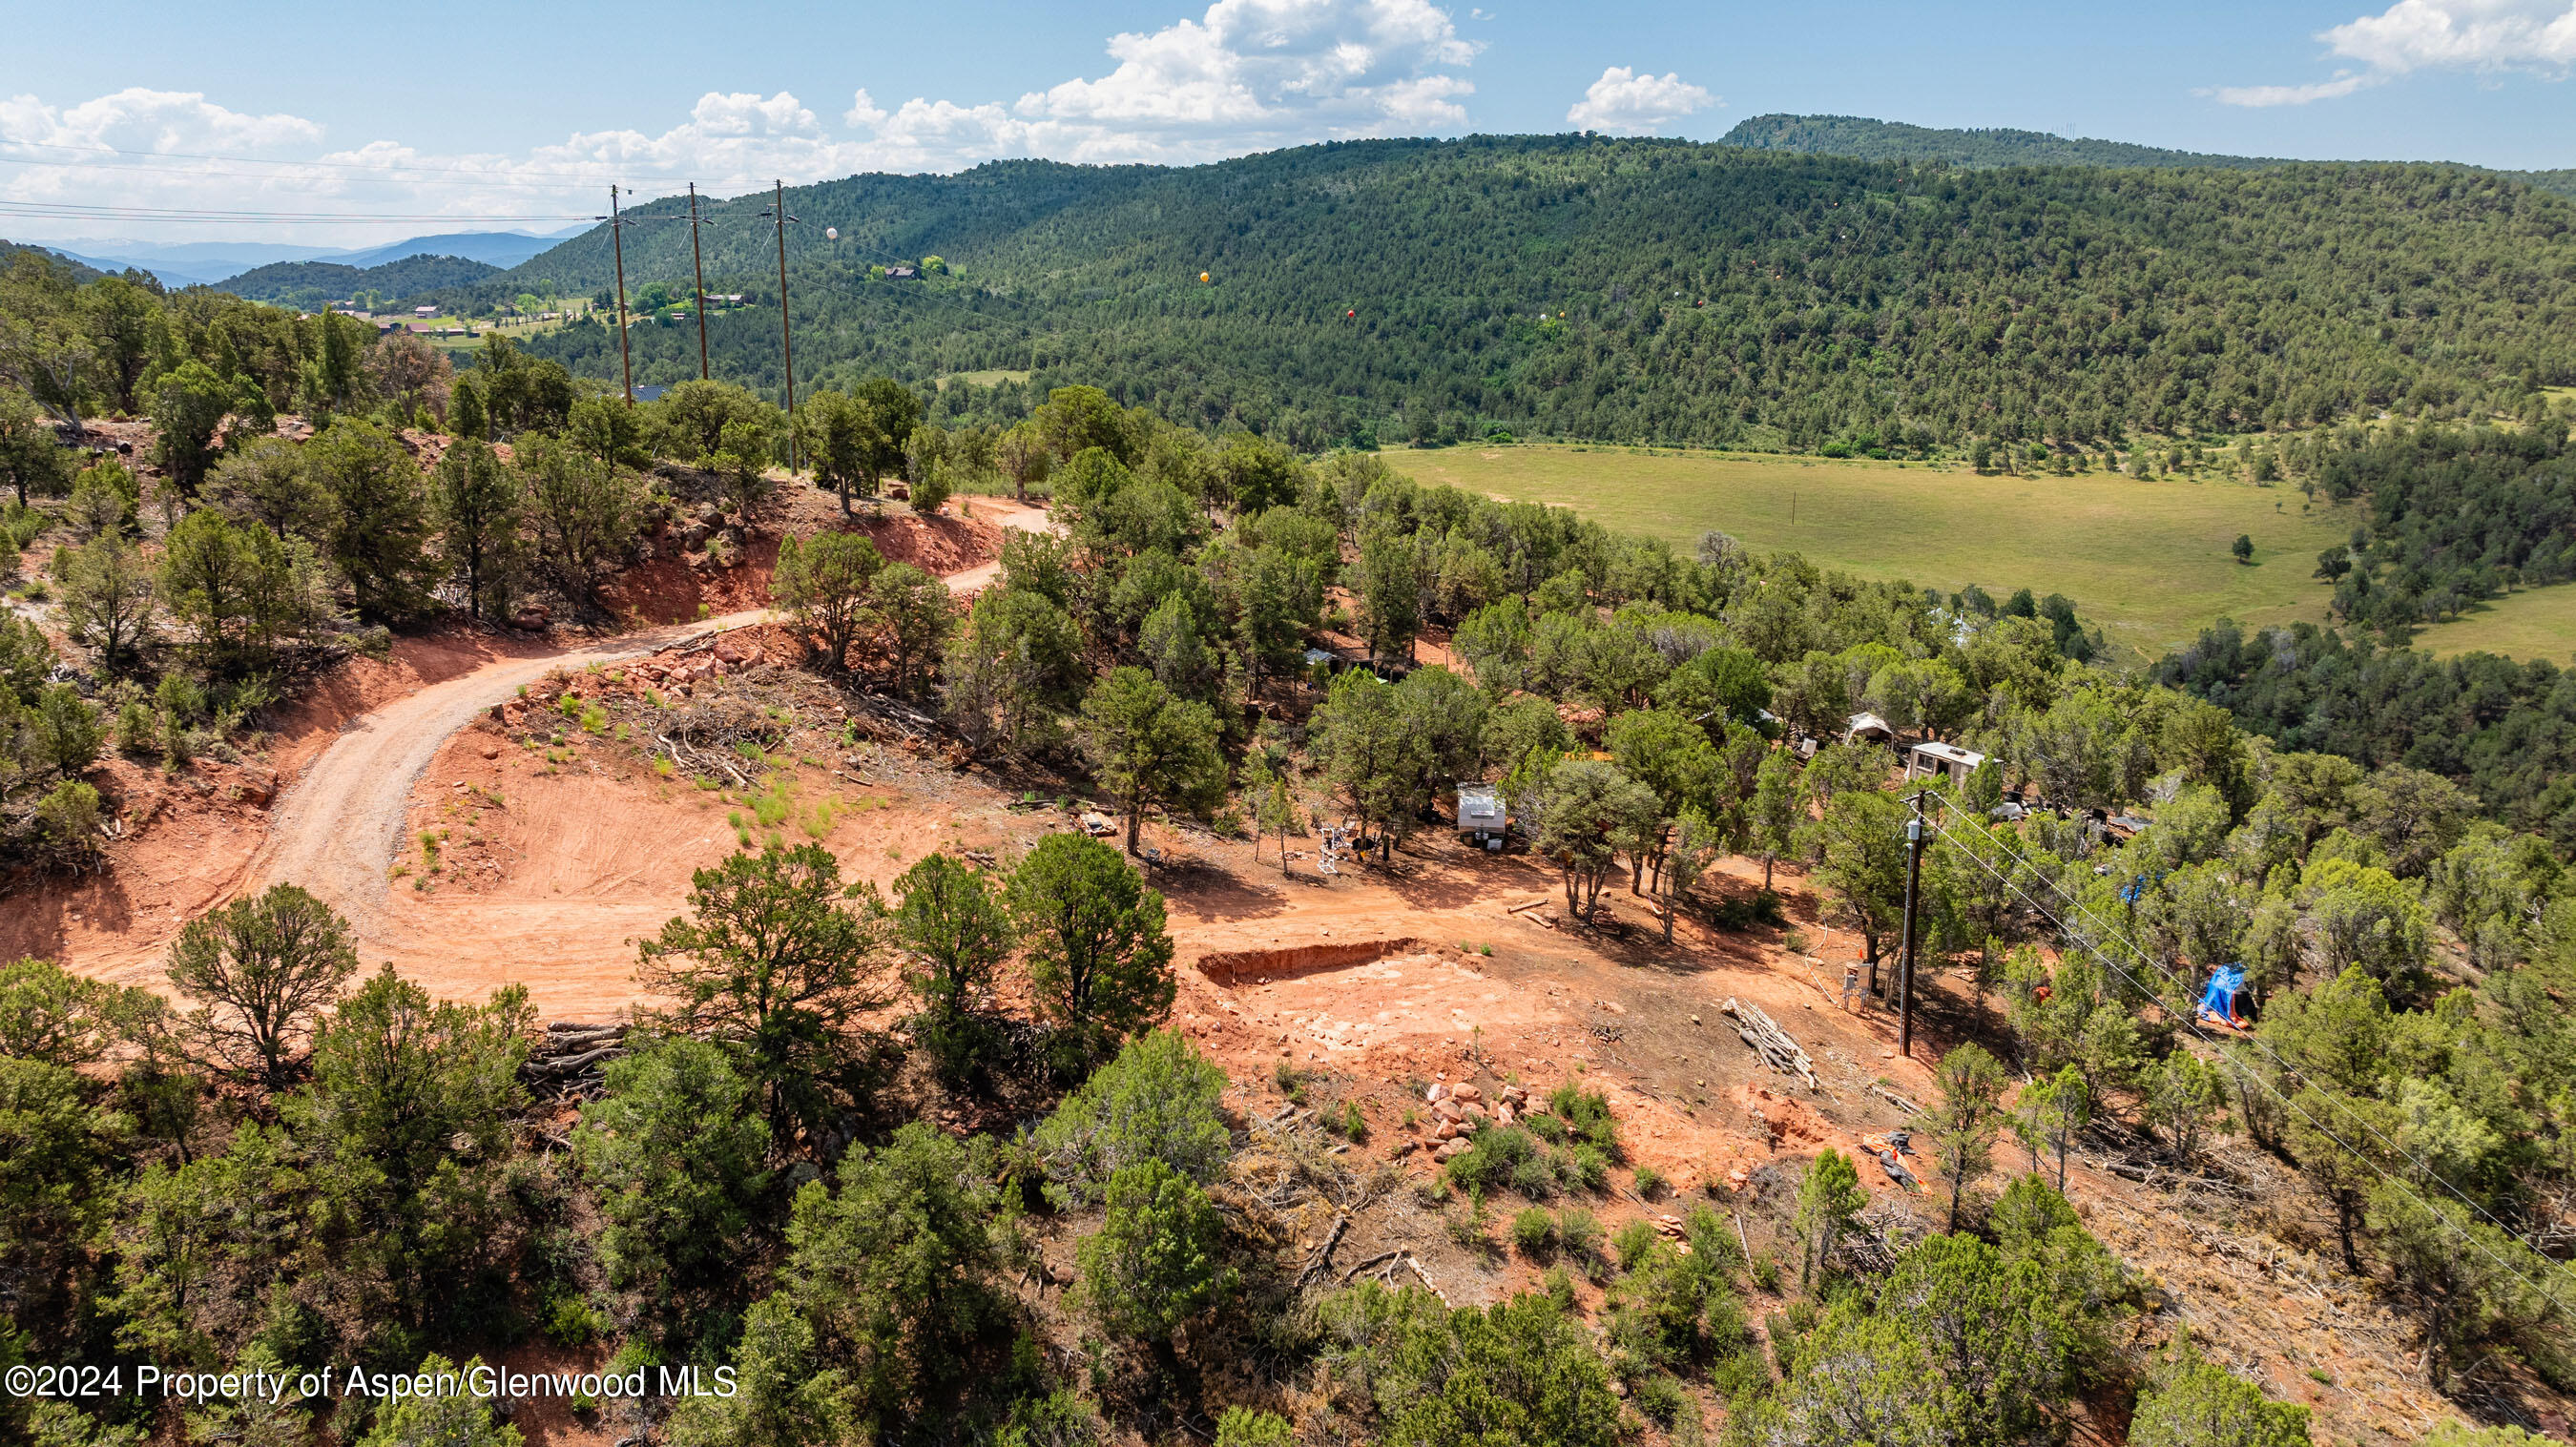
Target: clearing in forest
point(2533, 623)
point(2147, 560)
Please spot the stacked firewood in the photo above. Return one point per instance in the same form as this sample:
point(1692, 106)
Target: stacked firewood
point(1769, 1041)
point(572, 1056)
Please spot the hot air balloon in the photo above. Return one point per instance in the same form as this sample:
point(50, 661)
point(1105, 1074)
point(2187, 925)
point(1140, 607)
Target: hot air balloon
point(831, 233)
point(1350, 314)
point(1203, 276)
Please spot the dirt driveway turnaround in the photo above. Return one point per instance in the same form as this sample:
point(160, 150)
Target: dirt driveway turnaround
point(336, 829)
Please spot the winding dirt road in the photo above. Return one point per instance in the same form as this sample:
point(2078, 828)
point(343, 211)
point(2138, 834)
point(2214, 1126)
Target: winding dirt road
point(339, 826)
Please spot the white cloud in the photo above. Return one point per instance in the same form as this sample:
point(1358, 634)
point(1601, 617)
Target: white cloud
point(2259, 96)
point(2461, 34)
point(2411, 35)
point(1631, 103)
point(1255, 73)
point(1245, 75)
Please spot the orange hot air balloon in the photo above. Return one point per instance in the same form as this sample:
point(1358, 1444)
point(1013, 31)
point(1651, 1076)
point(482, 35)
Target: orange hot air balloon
point(1203, 276)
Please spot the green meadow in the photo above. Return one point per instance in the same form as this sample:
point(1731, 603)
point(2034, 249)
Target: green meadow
point(2147, 560)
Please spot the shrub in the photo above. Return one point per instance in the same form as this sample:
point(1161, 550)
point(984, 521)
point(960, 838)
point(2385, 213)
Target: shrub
point(1578, 1235)
point(1559, 1288)
point(136, 731)
point(1156, 1101)
point(69, 816)
point(1501, 1157)
point(1670, 1311)
point(1587, 1167)
point(1632, 1241)
point(1349, 1124)
point(1661, 1399)
point(1546, 1127)
point(1245, 1427)
point(2189, 1401)
point(1471, 1230)
point(570, 1321)
point(1534, 1232)
point(1587, 1114)
point(1522, 1371)
point(1649, 1181)
point(1153, 1264)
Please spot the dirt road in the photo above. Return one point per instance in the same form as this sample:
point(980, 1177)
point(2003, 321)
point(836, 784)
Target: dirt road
point(339, 825)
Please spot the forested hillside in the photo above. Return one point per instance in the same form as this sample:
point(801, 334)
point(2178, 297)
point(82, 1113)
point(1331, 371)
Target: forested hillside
point(923, 1165)
point(1646, 291)
point(1872, 140)
point(308, 284)
point(10, 251)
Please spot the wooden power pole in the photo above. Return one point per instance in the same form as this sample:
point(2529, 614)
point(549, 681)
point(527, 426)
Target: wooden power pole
point(698, 260)
point(786, 337)
point(1913, 934)
point(617, 239)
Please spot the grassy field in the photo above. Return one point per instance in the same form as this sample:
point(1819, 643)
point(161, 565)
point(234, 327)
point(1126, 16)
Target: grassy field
point(2149, 561)
point(987, 378)
point(2536, 623)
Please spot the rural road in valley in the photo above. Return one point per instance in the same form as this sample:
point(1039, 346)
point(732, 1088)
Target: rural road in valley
point(337, 827)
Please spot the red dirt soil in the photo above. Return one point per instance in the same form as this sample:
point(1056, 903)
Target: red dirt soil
point(192, 841)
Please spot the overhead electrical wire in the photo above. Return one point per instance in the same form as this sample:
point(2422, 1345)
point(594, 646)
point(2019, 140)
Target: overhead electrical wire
point(2183, 988)
point(589, 175)
point(2239, 1067)
point(76, 210)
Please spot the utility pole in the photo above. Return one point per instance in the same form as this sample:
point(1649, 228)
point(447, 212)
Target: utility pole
point(786, 337)
point(1905, 969)
point(699, 261)
point(617, 238)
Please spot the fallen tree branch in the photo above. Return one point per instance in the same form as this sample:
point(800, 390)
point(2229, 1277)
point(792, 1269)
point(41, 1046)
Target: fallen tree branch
point(1323, 1261)
point(1371, 1264)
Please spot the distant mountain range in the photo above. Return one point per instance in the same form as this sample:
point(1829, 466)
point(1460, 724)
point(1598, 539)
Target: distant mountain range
point(1870, 140)
point(204, 263)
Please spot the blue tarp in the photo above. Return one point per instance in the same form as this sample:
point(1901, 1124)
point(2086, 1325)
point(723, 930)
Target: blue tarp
point(2220, 998)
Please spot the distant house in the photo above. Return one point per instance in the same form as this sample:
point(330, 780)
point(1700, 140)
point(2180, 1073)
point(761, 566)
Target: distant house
point(1869, 726)
point(725, 298)
point(424, 311)
point(651, 391)
point(1942, 761)
point(903, 273)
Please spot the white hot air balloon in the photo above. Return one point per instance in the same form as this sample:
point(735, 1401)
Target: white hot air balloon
point(831, 233)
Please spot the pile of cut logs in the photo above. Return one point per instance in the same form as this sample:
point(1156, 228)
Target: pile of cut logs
point(569, 1059)
point(1769, 1041)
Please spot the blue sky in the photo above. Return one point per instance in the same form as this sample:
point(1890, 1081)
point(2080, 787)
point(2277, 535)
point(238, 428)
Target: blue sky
point(417, 118)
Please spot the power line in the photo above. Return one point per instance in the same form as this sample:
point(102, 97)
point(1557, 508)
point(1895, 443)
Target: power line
point(586, 175)
point(2193, 1024)
point(498, 181)
point(2264, 1045)
point(119, 212)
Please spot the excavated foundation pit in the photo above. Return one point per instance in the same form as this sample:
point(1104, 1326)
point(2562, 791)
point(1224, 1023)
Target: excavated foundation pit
point(1405, 1002)
point(1237, 968)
